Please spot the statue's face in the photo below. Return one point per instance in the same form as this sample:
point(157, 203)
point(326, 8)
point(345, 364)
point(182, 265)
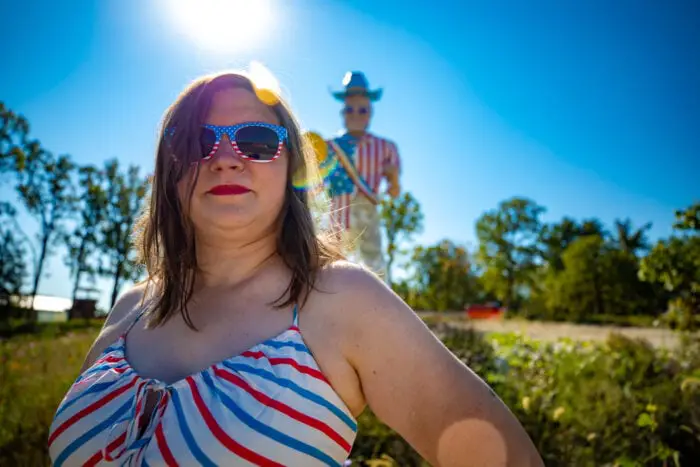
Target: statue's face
point(357, 113)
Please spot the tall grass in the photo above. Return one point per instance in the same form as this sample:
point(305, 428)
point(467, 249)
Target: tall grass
point(35, 373)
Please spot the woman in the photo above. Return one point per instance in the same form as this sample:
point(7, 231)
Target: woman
point(185, 372)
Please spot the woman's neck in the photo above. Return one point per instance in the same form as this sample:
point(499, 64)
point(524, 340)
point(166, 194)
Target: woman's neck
point(230, 264)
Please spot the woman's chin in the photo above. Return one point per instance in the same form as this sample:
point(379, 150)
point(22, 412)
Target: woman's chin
point(225, 218)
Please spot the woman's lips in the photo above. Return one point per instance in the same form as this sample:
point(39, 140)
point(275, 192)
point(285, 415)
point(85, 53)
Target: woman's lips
point(228, 190)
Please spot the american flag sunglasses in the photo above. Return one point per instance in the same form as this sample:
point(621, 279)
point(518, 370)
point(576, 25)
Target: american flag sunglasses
point(253, 141)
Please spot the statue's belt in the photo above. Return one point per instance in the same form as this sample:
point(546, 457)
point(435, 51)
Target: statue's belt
point(352, 172)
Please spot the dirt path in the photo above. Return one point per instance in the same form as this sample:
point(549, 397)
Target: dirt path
point(550, 331)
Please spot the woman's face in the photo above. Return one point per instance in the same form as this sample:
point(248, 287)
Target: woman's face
point(232, 193)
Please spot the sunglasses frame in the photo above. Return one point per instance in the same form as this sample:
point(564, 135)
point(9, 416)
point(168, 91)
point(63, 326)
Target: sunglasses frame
point(230, 131)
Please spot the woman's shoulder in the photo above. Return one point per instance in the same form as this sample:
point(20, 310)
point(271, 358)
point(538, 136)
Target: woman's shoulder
point(350, 292)
point(343, 277)
point(125, 310)
point(127, 307)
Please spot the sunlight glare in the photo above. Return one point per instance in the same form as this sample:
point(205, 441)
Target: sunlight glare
point(267, 88)
point(223, 25)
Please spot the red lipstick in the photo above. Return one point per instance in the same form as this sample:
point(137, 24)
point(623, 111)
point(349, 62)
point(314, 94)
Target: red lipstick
point(226, 190)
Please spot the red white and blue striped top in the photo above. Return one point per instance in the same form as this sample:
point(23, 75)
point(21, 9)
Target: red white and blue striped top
point(270, 406)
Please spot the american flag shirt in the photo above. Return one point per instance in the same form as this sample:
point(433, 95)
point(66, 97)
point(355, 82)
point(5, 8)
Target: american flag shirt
point(371, 155)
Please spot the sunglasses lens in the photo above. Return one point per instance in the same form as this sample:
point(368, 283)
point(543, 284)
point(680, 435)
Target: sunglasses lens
point(207, 140)
point(348, 110)
point(362, 111)
point(257, 143)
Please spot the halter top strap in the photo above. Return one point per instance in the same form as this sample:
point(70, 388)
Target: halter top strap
point(136, 320)
point(295, 320)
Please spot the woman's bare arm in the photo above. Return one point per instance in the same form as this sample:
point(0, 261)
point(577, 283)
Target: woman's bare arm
point(415, 385)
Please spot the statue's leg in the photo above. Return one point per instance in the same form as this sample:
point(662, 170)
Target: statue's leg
point(365, 223)
point(352, 235)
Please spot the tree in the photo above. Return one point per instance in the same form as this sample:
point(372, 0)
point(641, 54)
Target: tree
point(124, 196)
point(83, 241)
point(444, 279)
point(508, 247)
point(597, 278)
point(556, 237)
point(629, 240)
point(688, 220)
point(593, 226)
point(402, 218)
point(675, 264)
point(44, 187)
point(13, 132)
point(13, 268)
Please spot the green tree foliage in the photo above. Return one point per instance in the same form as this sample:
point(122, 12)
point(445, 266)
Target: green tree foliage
point(593, 227)
point(629, 240)
point(402, 219)
point(557, 236)
point(444, 278)
point(45, 188)
point(83, 241)
point(13, 268)
point(596, 278)
point(125, 192)
point(13, 132)
point(509, 247)
point(688, 220)
point(675, 264)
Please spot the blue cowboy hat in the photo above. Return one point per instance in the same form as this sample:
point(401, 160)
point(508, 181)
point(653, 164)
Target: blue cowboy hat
point(356, 84)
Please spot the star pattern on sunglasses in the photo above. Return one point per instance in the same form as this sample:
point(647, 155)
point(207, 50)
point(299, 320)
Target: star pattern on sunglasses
point(231, 130)
point(263, 144)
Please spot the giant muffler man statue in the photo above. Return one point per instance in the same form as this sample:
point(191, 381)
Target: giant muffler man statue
point(363, 161)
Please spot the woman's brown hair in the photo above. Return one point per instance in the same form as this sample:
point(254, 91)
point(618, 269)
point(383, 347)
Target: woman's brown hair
point(164, 235)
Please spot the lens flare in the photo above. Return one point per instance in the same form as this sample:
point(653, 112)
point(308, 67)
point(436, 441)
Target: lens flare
point(318, 144)
point(313, 181)
point(265, 84)
point(315, 177)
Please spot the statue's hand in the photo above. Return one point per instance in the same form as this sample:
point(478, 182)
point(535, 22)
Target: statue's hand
point(392, 176)
point(394, 190)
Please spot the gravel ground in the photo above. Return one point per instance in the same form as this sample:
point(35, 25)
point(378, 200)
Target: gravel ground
point(550, 331)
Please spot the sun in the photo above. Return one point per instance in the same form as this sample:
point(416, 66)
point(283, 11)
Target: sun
point(223, 25)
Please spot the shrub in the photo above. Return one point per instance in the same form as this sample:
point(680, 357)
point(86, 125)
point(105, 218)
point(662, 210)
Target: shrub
point(617, 403)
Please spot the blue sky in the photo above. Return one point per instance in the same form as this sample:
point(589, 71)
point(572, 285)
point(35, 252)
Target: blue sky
point(590, 110)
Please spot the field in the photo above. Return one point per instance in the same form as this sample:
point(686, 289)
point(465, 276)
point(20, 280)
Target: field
point(35, 372)
point(553, 331)
point(595, 402)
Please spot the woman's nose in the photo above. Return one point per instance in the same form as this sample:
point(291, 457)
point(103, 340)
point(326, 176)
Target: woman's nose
point(226, 157)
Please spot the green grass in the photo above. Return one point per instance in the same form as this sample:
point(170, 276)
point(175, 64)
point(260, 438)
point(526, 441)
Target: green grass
point(16, 327)
point(36, 371)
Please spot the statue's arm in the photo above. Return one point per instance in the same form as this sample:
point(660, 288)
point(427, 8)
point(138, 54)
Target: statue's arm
point(392, 170)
